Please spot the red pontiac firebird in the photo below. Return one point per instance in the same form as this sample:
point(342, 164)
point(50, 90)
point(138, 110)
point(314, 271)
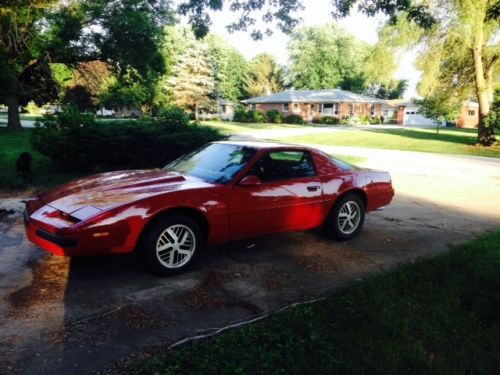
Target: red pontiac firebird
point(224, 191)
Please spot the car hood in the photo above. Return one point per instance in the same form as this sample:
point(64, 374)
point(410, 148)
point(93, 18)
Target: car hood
point(88, 196)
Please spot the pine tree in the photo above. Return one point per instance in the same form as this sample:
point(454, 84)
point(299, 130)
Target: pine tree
point(193, 80)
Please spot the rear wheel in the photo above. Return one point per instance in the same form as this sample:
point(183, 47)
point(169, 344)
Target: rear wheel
point(346, 219)
point(172, 244)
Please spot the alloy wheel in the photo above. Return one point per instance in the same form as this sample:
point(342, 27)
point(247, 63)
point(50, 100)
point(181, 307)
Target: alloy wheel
point(175, 246)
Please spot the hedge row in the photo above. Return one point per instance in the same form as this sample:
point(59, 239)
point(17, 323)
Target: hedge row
point(272, 116)
point(73, 141)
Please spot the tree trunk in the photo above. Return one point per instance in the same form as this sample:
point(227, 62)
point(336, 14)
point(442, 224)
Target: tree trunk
point(196, 113)
point(489, 84)
point(13, 120)
point(485, 134)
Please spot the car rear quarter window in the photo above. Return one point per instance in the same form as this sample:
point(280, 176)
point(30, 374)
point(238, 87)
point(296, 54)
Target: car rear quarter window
point(284, 165)
point(343, 165)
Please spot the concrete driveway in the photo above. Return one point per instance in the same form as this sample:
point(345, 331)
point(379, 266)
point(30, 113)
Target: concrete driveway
point(81, 315)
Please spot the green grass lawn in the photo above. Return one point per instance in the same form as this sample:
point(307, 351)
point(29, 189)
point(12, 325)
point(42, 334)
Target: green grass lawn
point(437, 316)
point(448, 141)
point(12, 143)
point(229, 128)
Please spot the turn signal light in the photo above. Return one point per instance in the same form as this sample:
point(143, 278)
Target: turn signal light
point(101, 234)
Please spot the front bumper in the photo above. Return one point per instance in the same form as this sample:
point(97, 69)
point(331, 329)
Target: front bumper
point(47, 238)
point(55, 233)
point(56, 239)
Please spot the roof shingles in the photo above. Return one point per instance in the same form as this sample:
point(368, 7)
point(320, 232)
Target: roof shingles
point(313, 96)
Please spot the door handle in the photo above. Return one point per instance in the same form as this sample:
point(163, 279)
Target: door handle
point(313, 188)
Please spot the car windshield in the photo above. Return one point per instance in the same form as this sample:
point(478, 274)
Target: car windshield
point(216, 162)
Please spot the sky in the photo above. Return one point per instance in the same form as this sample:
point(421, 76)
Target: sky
point(317, 12)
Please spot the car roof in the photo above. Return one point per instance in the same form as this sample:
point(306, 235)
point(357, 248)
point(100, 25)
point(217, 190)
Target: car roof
point(263, 144)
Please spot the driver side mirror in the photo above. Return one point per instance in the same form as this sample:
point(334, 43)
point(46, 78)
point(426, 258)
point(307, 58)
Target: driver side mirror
point(250, 180)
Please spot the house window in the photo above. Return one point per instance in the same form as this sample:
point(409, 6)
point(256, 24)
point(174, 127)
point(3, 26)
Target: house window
point(223, 108)
point(372, 110)
point(295, 107)
point(351, 110)
point(385, 113)
point(472, 112)
point(328, 109)
point(285, 107)
point(253, 106)
point(331, 108)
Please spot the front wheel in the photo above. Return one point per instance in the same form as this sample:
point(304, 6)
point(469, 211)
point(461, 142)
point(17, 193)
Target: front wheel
point(346, 218)
point(172, 245)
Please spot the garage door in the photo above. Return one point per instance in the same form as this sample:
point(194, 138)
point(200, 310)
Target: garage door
point(412, 116)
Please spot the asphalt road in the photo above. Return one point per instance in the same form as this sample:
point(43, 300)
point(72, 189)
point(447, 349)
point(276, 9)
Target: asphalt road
point(81, 315)
point(24, 123)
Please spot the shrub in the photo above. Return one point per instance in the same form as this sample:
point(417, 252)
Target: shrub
point(375, 120)
point(69, 117)
point(330, 120)
point(77, 142)
point(252, 115)
point(274, 116)
point(174, 116)
point(255, 116)
point(364, 120)
point(293, 119)
point(240, 114)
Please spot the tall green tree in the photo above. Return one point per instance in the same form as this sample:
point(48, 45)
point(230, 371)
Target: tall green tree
point(174, 44)
point(395, 89)
point(323, 57)
point(460, 55)
point(264, 76)
point(129, 90)
point(193, 79)
point(34, 34)
point(229, 68)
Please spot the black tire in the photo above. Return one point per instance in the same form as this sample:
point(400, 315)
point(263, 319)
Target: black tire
point(346, 205)
point(172, 260)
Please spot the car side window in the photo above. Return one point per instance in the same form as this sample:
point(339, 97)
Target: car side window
point(283, 165)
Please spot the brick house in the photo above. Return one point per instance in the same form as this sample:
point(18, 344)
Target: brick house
point(469, 115)
point(311, 104)
point(224, 111)
point(408, 113)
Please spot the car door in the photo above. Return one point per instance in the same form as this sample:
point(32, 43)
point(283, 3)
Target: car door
point(288, 197)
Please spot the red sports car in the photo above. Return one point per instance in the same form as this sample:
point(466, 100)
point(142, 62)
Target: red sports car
point(224, 191)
